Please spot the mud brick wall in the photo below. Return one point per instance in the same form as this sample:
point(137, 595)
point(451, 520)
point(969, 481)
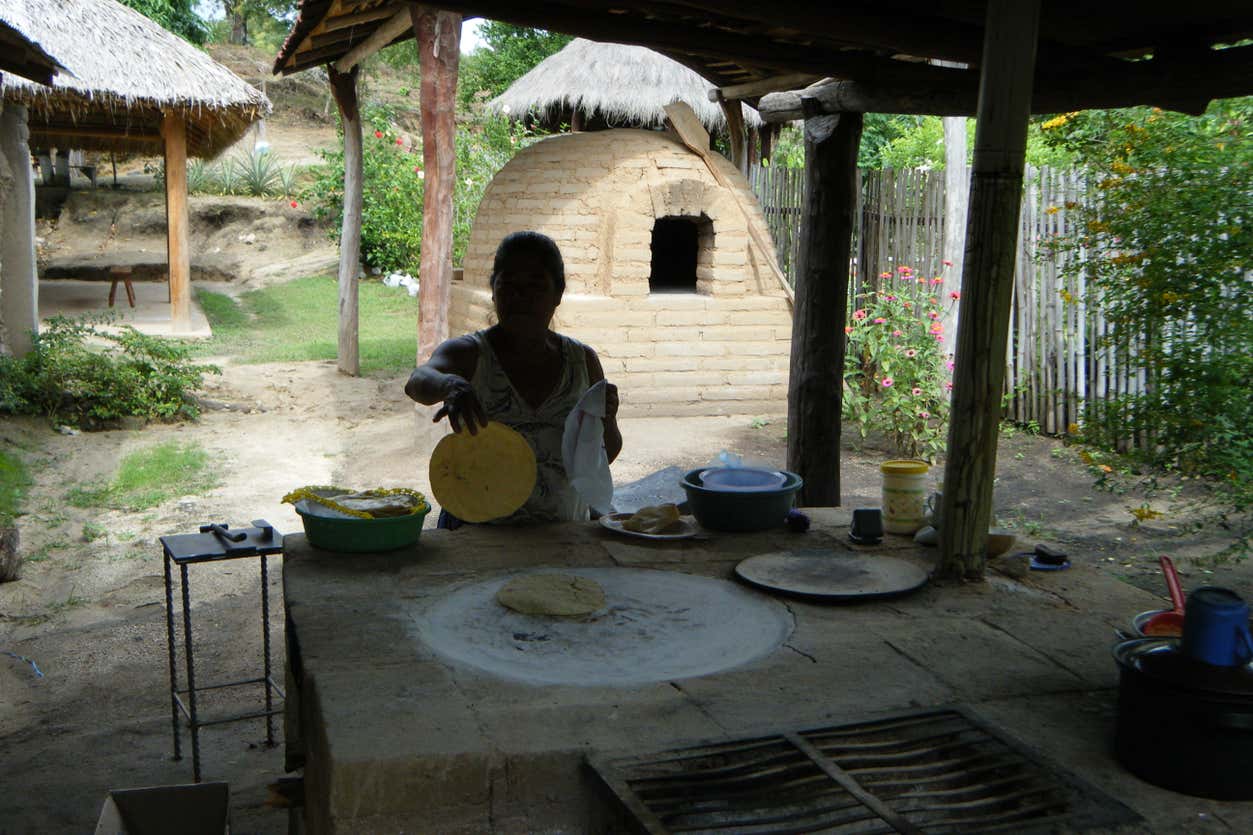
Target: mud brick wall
point(721, 350)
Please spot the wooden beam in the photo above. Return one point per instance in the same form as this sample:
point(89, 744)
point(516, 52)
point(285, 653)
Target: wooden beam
point(178, 250)
point(1223, 73)
point(344, 89)
point(987, 285)
point(347, 21)
point(815, 384)
point(19, 275)
point(439, 48)
point(94, 133)
point(312, 58)
point(754, 89)
point(386, 32)
point(735, 134)
point(719, 46)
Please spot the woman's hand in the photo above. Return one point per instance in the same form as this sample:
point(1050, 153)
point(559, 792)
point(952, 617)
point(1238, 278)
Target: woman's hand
point(462, 406)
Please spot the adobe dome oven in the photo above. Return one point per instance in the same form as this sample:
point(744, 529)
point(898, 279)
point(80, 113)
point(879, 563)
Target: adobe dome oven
point(660, 275)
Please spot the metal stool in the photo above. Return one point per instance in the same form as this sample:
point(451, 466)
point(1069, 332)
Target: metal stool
point(212, 544)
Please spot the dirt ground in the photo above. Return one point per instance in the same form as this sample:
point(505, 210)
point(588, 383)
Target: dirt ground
point(91, 616)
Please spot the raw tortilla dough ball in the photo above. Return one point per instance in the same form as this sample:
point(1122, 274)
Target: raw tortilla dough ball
point(483, 476)
point(551, 594)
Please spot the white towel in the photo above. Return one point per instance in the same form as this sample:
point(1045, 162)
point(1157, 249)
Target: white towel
point(583, 450)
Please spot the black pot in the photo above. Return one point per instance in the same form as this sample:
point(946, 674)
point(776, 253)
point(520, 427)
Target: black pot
point(1184, 725)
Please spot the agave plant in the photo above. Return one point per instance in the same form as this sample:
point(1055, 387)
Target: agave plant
point(258, 174)
point(287, 179)
point(199, 177)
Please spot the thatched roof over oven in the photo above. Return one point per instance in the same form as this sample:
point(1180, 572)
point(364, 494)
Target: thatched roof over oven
point(627, 85)
point(123, 73)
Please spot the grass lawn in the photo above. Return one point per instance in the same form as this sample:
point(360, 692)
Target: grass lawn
point(299, 320)
point(147, 477)
point(14, 480)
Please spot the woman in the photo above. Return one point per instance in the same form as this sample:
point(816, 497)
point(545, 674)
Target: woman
point(520, 373)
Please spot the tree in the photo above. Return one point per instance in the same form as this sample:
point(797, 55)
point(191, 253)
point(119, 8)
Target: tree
point(244, 17)
point(508, 53)
point(178, 16)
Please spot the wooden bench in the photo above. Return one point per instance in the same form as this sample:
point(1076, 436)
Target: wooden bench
point(122, 274)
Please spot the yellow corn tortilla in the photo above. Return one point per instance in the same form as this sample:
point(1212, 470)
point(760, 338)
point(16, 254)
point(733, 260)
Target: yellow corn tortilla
point(561, 595)
point(484, 476)
point(655, 519)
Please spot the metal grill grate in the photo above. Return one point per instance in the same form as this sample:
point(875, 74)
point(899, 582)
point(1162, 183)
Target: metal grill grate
point(940, 771)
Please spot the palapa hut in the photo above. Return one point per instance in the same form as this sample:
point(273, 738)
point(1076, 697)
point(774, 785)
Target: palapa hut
point(662, 274)
point(593, 86)
point(130, 86)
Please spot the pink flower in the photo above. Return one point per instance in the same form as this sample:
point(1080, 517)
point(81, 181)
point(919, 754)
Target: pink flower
point(937, 280)
point(908, 306)
point(378, 134)
point(416, 169)
point(904, 270)
point(887, 382)
point(947, 262)
point(924, 415)
point(922, 279)
point(911, 353)
point(933, 300)
point(848, 328)
point(890, 298)
point(954, 295)
point(880, 320)
point(931, 314)
point(399, 141)
point(897, 333)
point(939, 337)
point(293, 204)
point(859, 314)
point(949, 364)
point(915, 391)
point(948, 386)
point(936, 327)
point(885, 275)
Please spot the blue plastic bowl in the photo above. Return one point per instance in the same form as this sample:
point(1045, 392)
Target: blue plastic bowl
point(740, 510)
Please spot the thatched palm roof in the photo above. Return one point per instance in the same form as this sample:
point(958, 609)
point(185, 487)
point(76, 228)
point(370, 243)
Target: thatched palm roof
point(627, 85)
point(124, 72)
point(22, 56)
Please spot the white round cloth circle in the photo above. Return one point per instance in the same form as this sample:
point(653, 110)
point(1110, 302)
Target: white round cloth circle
point(655, 626)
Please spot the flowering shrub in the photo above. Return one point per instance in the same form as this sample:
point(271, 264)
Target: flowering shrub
point(896, 366)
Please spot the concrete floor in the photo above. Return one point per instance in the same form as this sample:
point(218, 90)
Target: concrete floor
point(398, 738)
point(150, 315)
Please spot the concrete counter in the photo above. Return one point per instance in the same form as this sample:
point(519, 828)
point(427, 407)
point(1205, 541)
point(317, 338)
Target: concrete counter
point(394, 737)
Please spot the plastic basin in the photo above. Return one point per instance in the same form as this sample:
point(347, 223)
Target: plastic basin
point(360, 536)
point(742, 479)
point(740, 510)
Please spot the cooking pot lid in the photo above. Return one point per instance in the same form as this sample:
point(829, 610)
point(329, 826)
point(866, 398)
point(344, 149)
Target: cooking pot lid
point(1162, 660)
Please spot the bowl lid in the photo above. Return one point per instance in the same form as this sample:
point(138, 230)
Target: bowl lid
point(905, 466)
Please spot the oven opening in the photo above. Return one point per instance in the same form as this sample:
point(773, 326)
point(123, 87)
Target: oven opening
point(676, 247)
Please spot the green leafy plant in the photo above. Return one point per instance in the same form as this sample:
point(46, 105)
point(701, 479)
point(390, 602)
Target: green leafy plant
point(896, 371)
point(80, 374)
point(14, 479)
point(258, 174)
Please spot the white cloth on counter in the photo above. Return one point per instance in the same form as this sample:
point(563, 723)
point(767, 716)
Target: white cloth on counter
point(583, 450)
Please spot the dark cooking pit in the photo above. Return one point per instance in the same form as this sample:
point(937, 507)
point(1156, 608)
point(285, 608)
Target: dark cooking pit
point(1182, 724)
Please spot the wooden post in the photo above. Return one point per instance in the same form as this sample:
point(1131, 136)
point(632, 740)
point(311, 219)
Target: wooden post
point(1009, 46)
point(19, 277)
point(735, 132)
point(178, 251)
point(344, 89)
point(439, 42)
point(956, 204)
point(815, 385)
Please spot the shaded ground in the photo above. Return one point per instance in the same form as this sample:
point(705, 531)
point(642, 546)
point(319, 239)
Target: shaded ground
point(90, 614)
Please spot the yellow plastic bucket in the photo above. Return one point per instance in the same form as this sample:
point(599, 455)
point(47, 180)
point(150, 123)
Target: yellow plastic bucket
point(904, 494)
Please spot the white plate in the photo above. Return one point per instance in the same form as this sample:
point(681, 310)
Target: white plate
point(613, 521)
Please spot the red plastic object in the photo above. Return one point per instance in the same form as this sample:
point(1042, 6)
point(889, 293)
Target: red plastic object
point(1168, 623)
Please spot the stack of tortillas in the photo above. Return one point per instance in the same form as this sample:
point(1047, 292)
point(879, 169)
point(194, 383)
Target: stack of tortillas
point(483, 476)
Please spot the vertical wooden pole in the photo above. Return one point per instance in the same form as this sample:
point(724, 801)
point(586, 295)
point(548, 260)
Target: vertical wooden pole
point(19, 277)
point(735, 132)
point(344, 90)
point(1009, 46)
point(815, 384)
point(178, 250)
point(439, 47)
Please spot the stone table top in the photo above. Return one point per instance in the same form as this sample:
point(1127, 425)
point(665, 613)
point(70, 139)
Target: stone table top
point(395, 737)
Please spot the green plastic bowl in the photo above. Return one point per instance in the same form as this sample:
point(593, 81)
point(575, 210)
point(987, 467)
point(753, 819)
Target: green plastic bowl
point(359, 536)
point(740, 510)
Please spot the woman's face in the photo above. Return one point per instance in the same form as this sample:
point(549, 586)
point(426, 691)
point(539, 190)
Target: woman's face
point(525, 295)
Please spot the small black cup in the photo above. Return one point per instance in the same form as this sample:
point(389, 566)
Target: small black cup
point(867, 528)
